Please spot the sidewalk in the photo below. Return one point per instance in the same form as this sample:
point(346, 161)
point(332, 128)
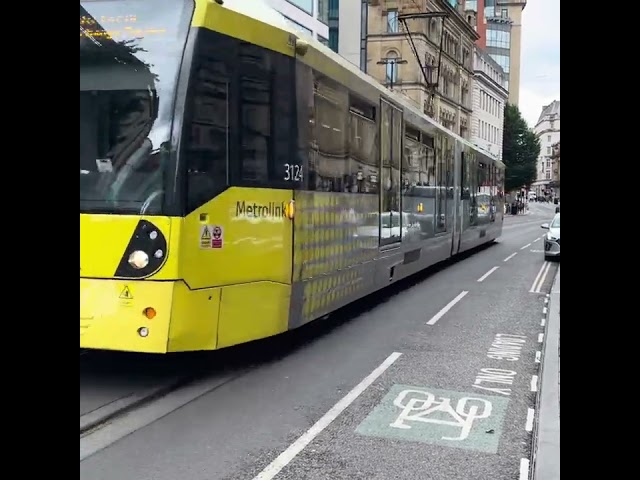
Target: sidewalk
point(546, 454)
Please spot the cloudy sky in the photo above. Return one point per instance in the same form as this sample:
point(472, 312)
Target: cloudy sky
point(540, 61)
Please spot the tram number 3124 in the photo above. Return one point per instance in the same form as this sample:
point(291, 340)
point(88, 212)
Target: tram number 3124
point(292, 173)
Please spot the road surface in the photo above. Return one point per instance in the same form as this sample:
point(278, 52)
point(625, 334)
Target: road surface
point(436, 380)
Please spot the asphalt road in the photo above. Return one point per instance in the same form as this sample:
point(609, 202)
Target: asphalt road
point(427, 382)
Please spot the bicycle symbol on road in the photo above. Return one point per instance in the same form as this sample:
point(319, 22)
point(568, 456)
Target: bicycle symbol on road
point(422, 406)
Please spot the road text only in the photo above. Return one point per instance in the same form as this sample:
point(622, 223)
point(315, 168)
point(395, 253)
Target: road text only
point(505, 347)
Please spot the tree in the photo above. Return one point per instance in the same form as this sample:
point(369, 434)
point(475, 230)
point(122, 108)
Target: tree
point(520, 150)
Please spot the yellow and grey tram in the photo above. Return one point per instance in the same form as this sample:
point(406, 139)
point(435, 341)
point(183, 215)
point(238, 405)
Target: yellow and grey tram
point(238, 181)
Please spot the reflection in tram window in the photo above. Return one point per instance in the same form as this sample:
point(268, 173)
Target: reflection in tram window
point(419, 184)
point(444, 147)
point(329, 131)
point(206, 144)
point(390, 182)
point(363, 172)
point(484, 194)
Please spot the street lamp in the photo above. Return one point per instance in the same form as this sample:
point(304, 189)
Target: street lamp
point(393, 62)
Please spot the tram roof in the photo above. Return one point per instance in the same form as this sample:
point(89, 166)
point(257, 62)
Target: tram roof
point(263, 12)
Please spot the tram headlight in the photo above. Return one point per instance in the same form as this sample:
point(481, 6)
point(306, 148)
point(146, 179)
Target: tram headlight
point(138, 259)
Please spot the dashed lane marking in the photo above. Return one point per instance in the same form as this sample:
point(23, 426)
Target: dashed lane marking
point(510, 257)
point(484, 277)
point(446, 308)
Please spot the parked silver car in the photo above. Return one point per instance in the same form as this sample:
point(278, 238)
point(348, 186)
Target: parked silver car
point(552, 238)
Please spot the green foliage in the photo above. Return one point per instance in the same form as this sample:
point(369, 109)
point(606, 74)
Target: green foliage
point(520, 150)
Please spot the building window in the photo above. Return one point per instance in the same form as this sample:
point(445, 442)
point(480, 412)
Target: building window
point(298, 27)
point(498, 38)
point(324, 41)
point(489, 8)
point(548, 150)
point(392, 21)
point(334, 24)
point(504, 13)
point(548, 175)
point(392, 68)
point(305, 5)
point(471, 5)
point(549, 138)
point(323, 11)
point(502, 60)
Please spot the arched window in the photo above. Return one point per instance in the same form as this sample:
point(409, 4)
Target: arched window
point(392, 67)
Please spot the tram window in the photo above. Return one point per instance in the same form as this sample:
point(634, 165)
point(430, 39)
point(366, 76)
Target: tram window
point(464, 162)
point(428, 175)
point(482, 176)
point(206, 129)
point(442, 173)
point(329, 141)
point(474, 189)
point(266, 110)
point(414, 158)
point(363, 171)
point(305, 119)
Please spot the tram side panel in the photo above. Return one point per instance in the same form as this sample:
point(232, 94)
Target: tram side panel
point(339, 227)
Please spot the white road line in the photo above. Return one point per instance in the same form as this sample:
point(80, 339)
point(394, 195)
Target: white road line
point(526, 246)
point(544, 277)
point(446, 308)
point(534, 383)
point(484, 277)
point(296, 447)
point(538, 282)
point(524, 469)
point(530, 414)
point(540, 337)
point(543, 322)
point(510, 256)
point(535, 281)
point(538, 355)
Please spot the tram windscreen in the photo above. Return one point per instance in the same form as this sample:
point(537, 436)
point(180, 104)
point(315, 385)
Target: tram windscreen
point(130, 55)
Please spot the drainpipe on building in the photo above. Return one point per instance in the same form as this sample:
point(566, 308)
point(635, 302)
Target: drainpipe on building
point(364, 32)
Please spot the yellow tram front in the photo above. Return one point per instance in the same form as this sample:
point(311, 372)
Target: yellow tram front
point(160, 269)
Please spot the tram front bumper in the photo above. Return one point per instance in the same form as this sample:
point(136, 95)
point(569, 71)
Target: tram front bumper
point(125, 315)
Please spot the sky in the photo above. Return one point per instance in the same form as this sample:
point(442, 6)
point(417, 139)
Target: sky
point(540, 60)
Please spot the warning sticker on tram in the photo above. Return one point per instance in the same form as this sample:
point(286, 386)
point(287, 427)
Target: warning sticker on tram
point(126, 294)
point(211, 236)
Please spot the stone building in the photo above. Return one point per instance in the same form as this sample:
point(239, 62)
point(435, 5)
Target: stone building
point(392, 61)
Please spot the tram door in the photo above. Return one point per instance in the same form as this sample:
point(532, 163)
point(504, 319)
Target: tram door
point(390, 179)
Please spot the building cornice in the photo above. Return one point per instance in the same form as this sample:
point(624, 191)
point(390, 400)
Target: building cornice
point(479, 74)
point(547, 130)
point(512, 3)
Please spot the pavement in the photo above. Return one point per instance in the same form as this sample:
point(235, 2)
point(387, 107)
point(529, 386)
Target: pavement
point(438, 378)
point(547, 451)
